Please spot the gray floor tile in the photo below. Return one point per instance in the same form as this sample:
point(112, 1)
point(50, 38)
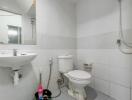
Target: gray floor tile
point(91, 95)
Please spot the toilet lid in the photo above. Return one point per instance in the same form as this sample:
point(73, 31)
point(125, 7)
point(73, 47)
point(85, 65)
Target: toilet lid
point(79, 74)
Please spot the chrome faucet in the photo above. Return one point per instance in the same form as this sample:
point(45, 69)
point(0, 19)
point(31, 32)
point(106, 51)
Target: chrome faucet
point(14, 52)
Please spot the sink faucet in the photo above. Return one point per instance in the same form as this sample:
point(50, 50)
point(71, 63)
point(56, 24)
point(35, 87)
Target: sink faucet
point(14, 52)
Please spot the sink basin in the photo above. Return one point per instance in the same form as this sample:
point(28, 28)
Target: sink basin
point(15, 62)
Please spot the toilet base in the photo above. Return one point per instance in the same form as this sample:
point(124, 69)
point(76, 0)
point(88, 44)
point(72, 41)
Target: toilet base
point(78, 93)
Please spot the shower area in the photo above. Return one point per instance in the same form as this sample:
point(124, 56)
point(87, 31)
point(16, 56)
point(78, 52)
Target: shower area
point(104, 38)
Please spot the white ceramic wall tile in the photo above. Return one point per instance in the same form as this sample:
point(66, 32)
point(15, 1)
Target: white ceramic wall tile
point(93, 56)
point(57, 18)
point(97, 32)
point(119, 93)
point(102, 86)
point(97, 17)
point(119, 60)
point(103, 41)
point(120, 76)
point(101, 71)
point(92, 84)
point(58, 42)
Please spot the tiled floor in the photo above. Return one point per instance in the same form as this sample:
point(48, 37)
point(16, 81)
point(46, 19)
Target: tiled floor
point(92, 95)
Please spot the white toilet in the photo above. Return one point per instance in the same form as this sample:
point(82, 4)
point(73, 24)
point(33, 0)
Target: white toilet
point(78, 79)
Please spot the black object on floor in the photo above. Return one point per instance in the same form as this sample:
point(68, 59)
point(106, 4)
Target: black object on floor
point(91, 93)
point(46, 95)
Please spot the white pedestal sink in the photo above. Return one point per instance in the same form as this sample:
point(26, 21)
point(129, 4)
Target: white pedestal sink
point(16, 62)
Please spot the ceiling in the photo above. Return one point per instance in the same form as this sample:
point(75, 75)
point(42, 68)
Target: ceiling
point(18, 6)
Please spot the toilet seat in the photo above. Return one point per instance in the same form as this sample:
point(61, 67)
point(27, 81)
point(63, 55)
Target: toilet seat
point(79, 75)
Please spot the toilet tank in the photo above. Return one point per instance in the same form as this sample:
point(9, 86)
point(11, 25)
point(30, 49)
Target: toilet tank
point(65, 63)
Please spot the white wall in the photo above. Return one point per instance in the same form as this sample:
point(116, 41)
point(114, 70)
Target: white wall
point(97, 32)
point(27, 34)
point(56, 36)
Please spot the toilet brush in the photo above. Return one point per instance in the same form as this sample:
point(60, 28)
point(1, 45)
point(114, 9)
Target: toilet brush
point(42, 94)
point(40, 89)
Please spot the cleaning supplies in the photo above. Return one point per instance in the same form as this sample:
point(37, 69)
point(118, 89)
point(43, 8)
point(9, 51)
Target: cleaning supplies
point(40, 89)
point(40, 92)
point(45, 94)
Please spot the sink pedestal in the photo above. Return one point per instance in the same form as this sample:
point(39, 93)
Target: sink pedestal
point(16, 77)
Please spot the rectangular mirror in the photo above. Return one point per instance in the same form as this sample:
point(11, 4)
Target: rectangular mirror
point(18, 22)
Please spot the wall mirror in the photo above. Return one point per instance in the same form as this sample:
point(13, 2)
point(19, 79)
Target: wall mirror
point(18, 22)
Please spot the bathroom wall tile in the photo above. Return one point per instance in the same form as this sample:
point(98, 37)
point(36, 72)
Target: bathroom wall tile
point(54, 21)
point(101, 56)
point(58, 42)
point(101, 71)
point(119, 93)
point(97, 33)
point(85, 56)
point(93, 56)
point(57, 30)
point(92, 83)
point(102, 86)
point(119, 60)
point(120, 76)
point(103, 41)
point(95, 18)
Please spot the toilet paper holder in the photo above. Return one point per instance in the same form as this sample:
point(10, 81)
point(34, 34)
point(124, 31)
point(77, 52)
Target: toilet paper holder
point(88, 67)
